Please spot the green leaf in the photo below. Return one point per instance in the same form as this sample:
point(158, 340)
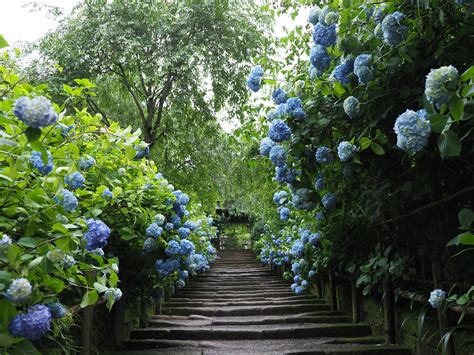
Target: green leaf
point(7, 313)
point(466, 217)
point(468, 74)
point(89, 298)
point(449, 144)
point(33, 134)
point(456, 107)
point(100, 288)
point(365, 143)
point(3, 42)
point(438, 122)
point(377, 149)
point(466, 238)
point(28, 242)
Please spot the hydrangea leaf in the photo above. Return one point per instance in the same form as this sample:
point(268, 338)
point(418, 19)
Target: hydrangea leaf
point(33, 134)
point(466, 217)
point(456, 107)
point(3, 42)
point(438, 122)
point(89, 298)
point(449, 144)
point(377, 148)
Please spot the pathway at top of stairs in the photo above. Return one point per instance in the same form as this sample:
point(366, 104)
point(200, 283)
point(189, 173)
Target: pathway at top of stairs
point(240, 307)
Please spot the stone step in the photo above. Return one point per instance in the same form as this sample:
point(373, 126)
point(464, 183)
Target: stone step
point(293, 331)
point(196, 294)
point(239, 282)
point(193, 303)
point(216, 298)
point(247, 310)
point(237, 288)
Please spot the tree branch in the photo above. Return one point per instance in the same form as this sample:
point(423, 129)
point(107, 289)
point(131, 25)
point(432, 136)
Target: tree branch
point(130, 90)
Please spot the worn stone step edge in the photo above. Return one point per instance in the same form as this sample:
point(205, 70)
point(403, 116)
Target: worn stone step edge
point(360, 350)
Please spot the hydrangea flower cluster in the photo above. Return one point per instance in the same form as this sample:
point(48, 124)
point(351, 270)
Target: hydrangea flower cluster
point(329, 201)
point(32, 325)
point(107, 194)
point(176, 221)
point(363, 68)
point(278, 155)
point(324, 155)
point(85, 163)
point(440, 84)
point(280, 197)
point(295, 108)
point(37, 160)
point(266, 146)
point(113, 293)
point(314, 238)
point(184, 232)
point(279, 96)
point(197, 262)
point(393, 30)
point(96, 235)
point(142, 152)
point(313, 16)
point(283, 174)
point(279, 131)
point(154, 230)
point(55, 255)
point(437, 298)
point(343, 71)
point(68, 261)
point(255, 78)
point(173, 248)
point(346, 150)
point(413, 130)
point(302, 199)
point(57, 310)
point(166, 267)
point(5, 242)
point(19, 291)
point(319, 58)
point(37, 112)
point(75, 180)
point(285, 214)
point(324, 35)
point(149, 245)
point(187, 247)
point(319, 184)
point(351, 107)
point(297, 249)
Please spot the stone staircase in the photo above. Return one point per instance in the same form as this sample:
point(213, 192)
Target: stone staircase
point(240, 307)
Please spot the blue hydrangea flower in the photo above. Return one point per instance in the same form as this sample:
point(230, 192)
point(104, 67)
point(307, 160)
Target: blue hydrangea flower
point(107, 194)
point(279, 96)
point(304, 234)
point(393, 30)
point(67, 200)
point(180, 284)
point(284, 174)
point(142, 152)
point(183, 274)
point(313, 16)
point(173, 248)
point(96, 235)
point(68, 261)
point(319, 216)
point(280, 197)
point(311, 274)
point(190, 225)
point(255, 78)
point(154, 230)
point(180, 210)
point(319, 58)
point(160, 219)
point(169, 226)
point(278, 155)
point(295, 108)
point(313, 72)
point(197, 262)
point(329, 201)
point(296, 278)
point(324, 155)
point(304, 283)
point(343, 71)
point(74, 180)
point(37, 160)
point(363, 68)
point(293, 286)
point(176, 220)
point(5, 242)
point(181, 197)
point(324, 35)
point(97, 251)
point(298, 290)
point(19, 291)
point(187, 247)
point(37, 112)
point(319, 184)
point(32, 325)
point(113, 293)
point(85, 163)
point(297, 249)
point(149, 245)
point(279, 131)
point(209, 221)
point(265, 146)
point(440, 83)
point(184, 232)
point(413, 130)
point(379, 14)
point(314, 238)
point(302, 199)
point(210, 249)
point(346, 150)
point(166, 267)
point(285, 214)
point(57, 310)
point(351, 107)
point(437, 298)
point(281, 110)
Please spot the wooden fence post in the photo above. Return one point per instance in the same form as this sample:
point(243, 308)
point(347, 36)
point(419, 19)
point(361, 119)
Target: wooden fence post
point(389, 312)
point(87, 314)
point(332, 283)
point(158, 306)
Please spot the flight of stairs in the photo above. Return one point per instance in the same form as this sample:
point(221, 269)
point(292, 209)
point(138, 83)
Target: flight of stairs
point(240, 307)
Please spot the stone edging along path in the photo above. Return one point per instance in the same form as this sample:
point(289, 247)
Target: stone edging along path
point(239, 307)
